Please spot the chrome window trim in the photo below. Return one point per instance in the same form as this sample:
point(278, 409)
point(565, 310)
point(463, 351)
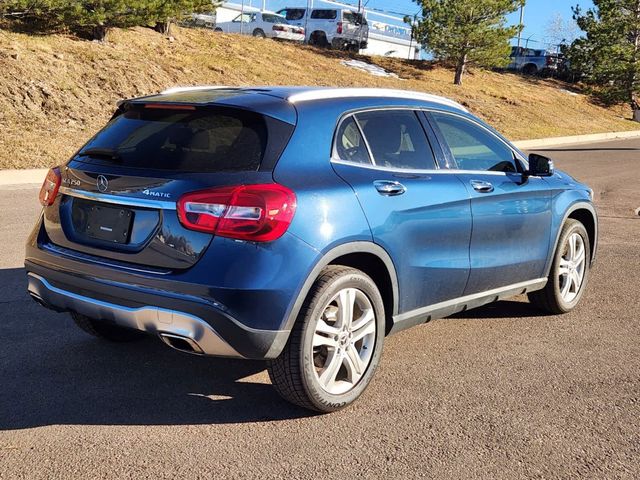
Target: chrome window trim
point(419, 172)
point(119, 199)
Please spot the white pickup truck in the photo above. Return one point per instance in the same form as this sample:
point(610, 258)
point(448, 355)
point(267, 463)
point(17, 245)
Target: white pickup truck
point(338, 27)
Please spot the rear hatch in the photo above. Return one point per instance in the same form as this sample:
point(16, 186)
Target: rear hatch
point(118, 195)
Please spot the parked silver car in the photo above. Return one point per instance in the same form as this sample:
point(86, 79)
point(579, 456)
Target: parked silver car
point(262, 24)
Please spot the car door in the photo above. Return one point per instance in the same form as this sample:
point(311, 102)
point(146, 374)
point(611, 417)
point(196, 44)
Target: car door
point(417, 212)
point(511, 212)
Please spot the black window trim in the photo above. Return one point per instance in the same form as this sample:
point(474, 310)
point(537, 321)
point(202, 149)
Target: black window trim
point(436, 149)
point(520, 162)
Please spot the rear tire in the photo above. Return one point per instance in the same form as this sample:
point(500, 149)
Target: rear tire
point(259, 33)
point(335, 345)
point(106, 331)
point(569, 272)
point(530, 69)
point(318, 39)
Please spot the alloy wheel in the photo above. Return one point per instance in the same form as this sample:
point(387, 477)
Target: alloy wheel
point(343, 341)
point(572, 267)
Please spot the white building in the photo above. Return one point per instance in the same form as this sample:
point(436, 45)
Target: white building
point(385, 39)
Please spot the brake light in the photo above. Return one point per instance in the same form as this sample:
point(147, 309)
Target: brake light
point(168, 106)
point(259, 213)
point(50, 187)
point(339, 27)
point(279, 28)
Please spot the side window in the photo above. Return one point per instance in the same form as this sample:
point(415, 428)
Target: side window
point(349, 145)
point(472, 147)
point(396, 139)
point(324, 14)
point(244, 18)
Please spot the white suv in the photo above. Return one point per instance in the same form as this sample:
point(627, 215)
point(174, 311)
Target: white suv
point(336, 27)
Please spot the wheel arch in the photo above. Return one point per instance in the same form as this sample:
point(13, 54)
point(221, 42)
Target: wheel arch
point(586, 214)
point(368, 257)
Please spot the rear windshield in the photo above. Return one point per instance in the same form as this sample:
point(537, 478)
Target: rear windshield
point(272, 18)
point(203, 140)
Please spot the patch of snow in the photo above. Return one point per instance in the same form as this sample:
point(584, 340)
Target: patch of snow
point(369, 68)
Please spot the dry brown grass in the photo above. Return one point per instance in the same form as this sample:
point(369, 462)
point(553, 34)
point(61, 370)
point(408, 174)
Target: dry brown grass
point(56, 91)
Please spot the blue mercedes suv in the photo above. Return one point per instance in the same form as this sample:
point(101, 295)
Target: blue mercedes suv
point(301, 226)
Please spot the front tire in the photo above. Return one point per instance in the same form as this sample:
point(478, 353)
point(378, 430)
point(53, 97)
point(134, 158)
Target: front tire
point(335, 345)
point(569, 272)
point(106, 331)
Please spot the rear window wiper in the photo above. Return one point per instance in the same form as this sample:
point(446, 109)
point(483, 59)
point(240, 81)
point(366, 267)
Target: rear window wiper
point(109, 153)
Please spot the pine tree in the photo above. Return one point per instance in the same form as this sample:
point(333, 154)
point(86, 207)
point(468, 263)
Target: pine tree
point(96, 17)
point(608, 56)
point(467, 32)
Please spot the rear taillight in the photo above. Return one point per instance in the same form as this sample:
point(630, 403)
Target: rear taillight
point(259, 213)
point(50, 187)
point(339, 27)
point(279, 28)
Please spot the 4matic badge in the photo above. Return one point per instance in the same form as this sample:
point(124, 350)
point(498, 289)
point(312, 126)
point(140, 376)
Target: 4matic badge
point(151, 193)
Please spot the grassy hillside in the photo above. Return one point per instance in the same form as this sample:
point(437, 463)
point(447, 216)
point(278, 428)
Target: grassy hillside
point(56, 91)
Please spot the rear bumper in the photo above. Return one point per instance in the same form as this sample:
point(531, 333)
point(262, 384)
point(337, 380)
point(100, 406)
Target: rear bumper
point(205, 328)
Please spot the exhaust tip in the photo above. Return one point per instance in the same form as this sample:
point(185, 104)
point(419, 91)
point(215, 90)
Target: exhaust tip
point(180, 343)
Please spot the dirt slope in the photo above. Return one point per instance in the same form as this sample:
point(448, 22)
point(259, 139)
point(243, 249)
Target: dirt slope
point(56, 91)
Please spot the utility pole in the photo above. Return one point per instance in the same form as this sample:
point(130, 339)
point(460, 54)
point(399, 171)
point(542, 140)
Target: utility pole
point(520, 29)
point(264, 5)
point(242, 17)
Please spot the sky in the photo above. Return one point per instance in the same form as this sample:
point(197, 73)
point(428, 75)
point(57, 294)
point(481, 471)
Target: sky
point(537, 13)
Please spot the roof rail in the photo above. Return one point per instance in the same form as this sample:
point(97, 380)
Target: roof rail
point(194, 88)
point(331, 93)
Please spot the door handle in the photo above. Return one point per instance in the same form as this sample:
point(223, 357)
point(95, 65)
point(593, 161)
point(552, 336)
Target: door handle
point(481, 186)
point(389, 188)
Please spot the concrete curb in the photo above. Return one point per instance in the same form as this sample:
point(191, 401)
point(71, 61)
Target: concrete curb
point(36, 176)
point(22, 177)
point(576, 139)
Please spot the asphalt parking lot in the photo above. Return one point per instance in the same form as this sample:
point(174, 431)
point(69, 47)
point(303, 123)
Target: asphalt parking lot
point(498, 392)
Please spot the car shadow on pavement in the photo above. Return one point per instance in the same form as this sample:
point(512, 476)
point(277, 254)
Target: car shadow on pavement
point(53, 373)
point(502, 309)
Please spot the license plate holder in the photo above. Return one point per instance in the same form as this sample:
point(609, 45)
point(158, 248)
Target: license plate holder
point(109, 224)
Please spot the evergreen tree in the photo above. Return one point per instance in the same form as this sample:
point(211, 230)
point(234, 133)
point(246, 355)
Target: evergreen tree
point(97, 17)
point(608, 56)
point(467, 32)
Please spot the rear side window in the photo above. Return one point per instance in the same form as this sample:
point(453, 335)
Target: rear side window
point(472, 146)
point(324, 14)
point(396, 139)
point(349, 144)
point(203, 140)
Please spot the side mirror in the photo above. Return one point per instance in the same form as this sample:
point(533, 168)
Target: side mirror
point(539, 166)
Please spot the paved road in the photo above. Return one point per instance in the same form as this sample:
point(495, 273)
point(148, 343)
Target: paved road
point(499, 392)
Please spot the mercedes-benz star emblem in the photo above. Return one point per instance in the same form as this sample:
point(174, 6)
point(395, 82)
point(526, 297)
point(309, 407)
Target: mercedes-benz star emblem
point(102, 183)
